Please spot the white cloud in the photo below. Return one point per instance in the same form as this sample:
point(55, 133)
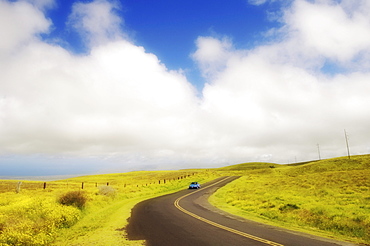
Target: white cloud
point(273, 99)
point(212, 54)
point(332, 30)
point(116, 101)
point(122, 106)
point(67, 103)
point(96, 21)
point(43, 4)
point(257, 2)
point(19, 23)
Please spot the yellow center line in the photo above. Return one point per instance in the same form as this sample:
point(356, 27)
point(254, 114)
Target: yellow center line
point(177, 205)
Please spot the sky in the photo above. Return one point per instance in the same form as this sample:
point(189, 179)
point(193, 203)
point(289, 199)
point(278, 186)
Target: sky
point(105, 86)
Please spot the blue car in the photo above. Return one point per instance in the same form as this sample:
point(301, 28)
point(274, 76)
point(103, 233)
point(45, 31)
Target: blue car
point(194, 185)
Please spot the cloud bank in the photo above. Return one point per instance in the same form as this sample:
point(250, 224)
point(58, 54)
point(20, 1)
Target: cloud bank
point(119, 108)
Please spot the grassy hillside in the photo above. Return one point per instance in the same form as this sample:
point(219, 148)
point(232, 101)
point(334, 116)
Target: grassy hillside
point(329, 197)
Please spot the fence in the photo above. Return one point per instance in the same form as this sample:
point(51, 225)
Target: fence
point(17, 186)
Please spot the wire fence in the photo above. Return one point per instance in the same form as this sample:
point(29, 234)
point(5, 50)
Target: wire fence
point(17, 186)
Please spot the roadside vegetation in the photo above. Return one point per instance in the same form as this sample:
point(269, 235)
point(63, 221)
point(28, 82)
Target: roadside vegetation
point(329, 198)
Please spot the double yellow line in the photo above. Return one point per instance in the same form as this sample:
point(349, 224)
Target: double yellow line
point(177, 205)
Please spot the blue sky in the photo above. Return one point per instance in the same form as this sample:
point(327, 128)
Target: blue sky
point(104, 86)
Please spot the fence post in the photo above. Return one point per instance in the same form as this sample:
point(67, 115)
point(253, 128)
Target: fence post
point(159, 182)
point(82, 185)
point(18, 189)
point(44, 185)
point(107, 183)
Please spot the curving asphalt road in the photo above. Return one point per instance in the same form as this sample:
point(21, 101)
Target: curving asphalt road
point(186, 218)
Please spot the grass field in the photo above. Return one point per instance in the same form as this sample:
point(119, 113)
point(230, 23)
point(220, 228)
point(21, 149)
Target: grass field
point(329, 198)
point(33, 216)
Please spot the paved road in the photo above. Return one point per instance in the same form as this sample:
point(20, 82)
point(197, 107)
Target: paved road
point(186, 218)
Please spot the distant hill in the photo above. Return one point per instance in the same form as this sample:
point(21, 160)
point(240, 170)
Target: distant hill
point(248, 166)
point(358, 162)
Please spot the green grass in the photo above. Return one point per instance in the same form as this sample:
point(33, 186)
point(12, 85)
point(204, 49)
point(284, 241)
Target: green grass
point(328, 197)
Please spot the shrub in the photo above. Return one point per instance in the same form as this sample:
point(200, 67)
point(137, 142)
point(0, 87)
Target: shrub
point(73, 198)
point(288, 207)
point(34, 221)
point(107, 191)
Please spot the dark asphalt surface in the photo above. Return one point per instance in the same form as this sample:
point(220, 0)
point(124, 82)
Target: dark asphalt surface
point(160, 223)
